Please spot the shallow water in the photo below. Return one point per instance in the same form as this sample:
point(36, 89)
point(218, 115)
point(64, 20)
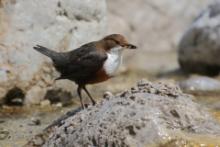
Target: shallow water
point(19, 124)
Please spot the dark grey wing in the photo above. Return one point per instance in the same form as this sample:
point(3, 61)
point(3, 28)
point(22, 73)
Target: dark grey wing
point(83, 63)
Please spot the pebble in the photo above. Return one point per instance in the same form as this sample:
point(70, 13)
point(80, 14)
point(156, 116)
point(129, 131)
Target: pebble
point(45, 103)
point(59, 105)
point(35, 121)
point(107, 95)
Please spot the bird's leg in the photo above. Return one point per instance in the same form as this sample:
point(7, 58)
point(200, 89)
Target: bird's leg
point(80, 96)
point(87, 92)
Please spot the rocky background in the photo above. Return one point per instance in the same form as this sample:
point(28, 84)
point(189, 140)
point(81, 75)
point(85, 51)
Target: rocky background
point(155, 25)
point(59, 25)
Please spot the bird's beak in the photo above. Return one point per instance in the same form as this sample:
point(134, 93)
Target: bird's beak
point(130, 46)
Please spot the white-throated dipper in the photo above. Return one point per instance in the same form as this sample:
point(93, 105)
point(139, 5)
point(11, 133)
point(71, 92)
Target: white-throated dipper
point(91, 63)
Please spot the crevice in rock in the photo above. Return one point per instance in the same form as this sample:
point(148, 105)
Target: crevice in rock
point(113, 144)
point(81, 18)
point(14, 97)
point(59, 4)
point(61, 11)
point(94, 141)
point(175, 113)
point(131, 130)
point(106, 143)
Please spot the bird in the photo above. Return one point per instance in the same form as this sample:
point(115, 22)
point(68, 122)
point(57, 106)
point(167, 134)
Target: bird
point(91, 63)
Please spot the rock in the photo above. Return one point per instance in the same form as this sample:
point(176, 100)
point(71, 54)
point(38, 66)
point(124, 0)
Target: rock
point(35, 95)
point(35, 121)
point(107, 95)
point(59, 105)
point(59, 25)
point(59, 96)
point(153, 25)
point(200, 85)
point(199, 47)
point(3, 134)
point(134, 117)
point(45, 103)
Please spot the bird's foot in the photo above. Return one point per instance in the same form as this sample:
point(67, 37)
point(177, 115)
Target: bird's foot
point(85, 106)
point(93, 103)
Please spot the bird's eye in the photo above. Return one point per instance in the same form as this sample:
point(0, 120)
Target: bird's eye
point(117, 42)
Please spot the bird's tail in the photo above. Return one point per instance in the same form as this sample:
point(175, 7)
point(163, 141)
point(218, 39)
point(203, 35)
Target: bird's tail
point(50, 53)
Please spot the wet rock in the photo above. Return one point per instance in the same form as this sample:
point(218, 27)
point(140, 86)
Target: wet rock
point(199, 47)
point(59, 25)
point(133, 119)
point(200, 85)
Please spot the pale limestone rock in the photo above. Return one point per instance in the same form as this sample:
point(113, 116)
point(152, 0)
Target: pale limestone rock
point(59, 25)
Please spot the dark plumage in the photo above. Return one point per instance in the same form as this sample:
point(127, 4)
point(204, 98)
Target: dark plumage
point(84, 65)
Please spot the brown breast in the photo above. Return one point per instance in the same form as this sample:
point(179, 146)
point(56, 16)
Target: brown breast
point(100, 76)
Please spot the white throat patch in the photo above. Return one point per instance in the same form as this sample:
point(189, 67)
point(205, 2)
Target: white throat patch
point(113, 61)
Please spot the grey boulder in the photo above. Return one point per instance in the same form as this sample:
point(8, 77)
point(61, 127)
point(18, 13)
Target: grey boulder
point(148, 114)
point(199, 48)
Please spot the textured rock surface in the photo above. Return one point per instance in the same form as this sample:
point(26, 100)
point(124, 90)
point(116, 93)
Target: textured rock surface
point(146, 114)
point(59, 25)
point(154, 25)
point(199, 48)
point(200, 85)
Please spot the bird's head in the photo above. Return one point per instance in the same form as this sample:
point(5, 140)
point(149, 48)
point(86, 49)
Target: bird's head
point(116, 41)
